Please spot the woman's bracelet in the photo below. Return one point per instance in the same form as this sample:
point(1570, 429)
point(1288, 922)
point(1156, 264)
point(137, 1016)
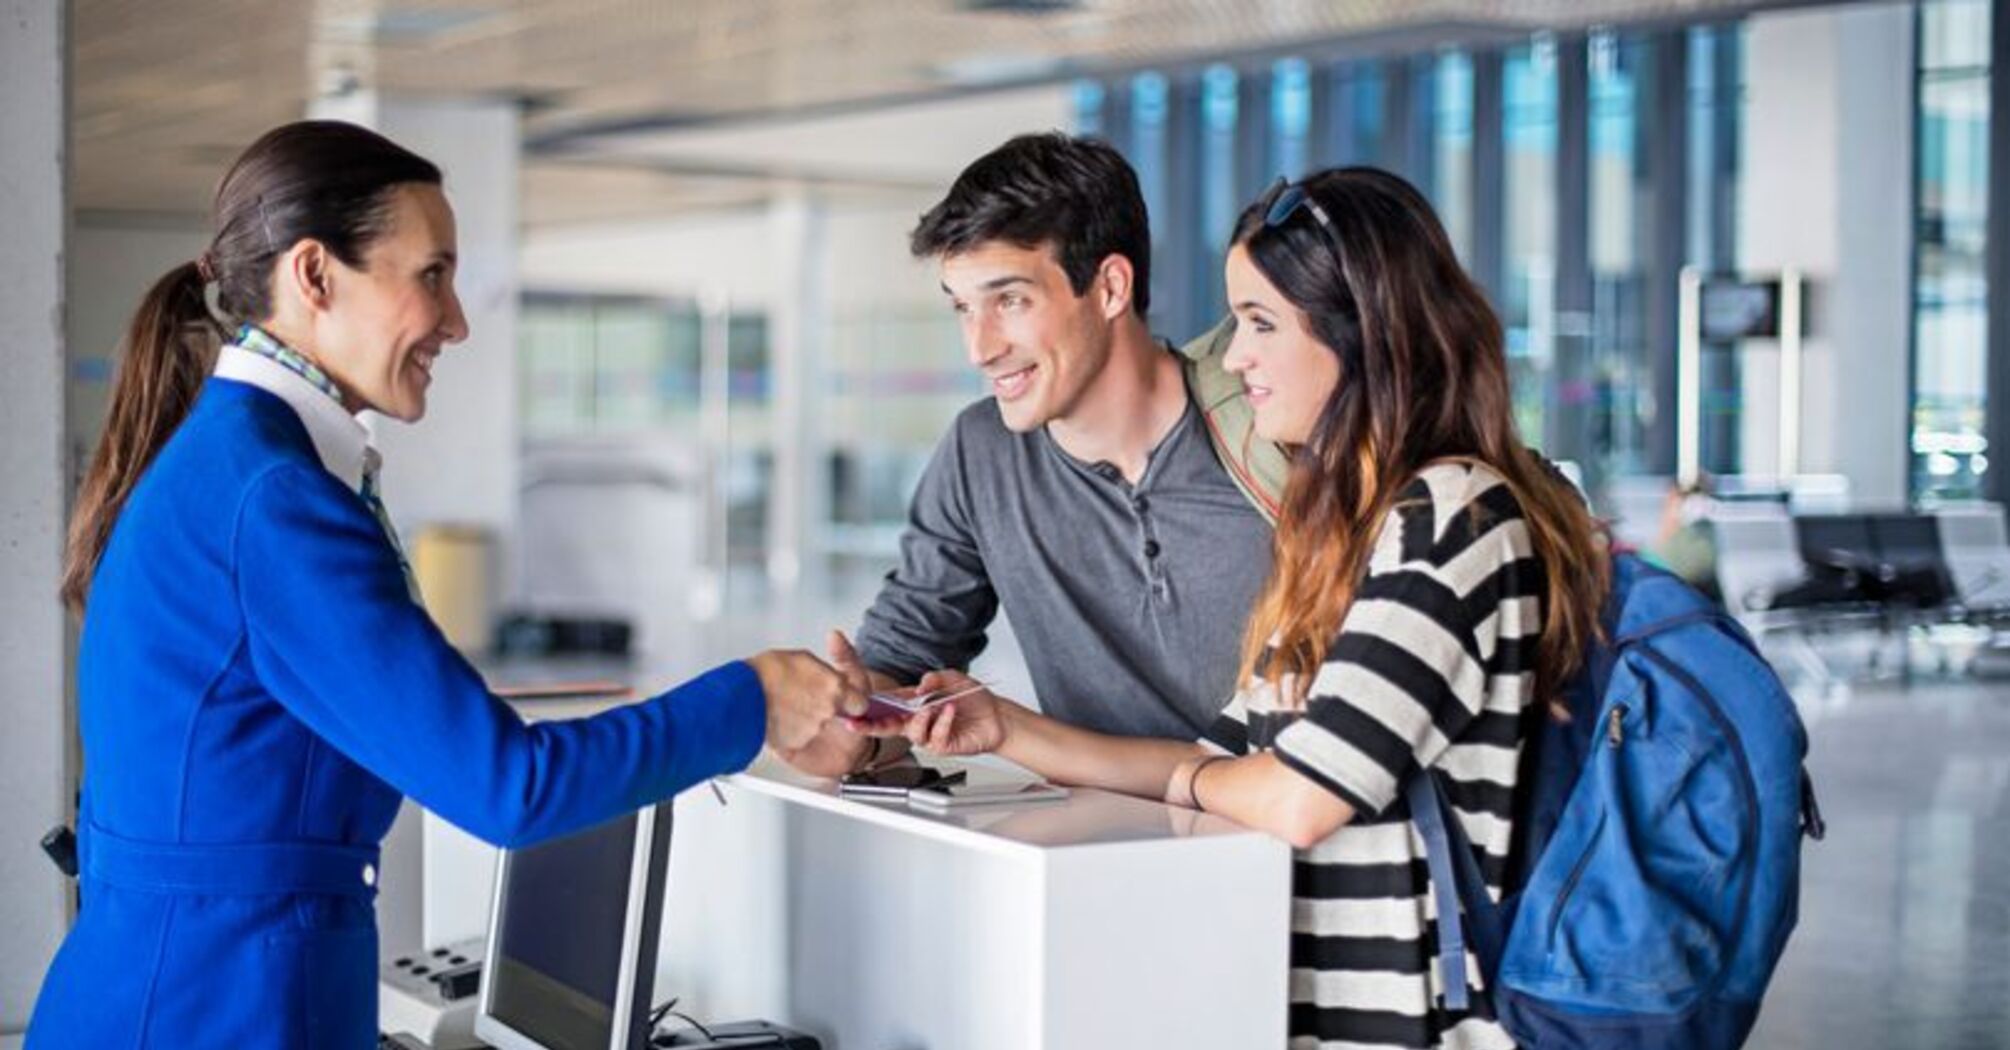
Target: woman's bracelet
point(1193, 779)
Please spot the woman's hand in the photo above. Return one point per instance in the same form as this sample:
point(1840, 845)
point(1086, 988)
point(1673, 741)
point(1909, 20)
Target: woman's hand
point(975, 723)
point(838, 748)
point(804, 694)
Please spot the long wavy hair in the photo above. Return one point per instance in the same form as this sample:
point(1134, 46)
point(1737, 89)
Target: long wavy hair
point(1423, 377)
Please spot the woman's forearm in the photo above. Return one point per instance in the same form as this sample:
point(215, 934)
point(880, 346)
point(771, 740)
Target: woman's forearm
point(1072, 755)
point(1261, 792)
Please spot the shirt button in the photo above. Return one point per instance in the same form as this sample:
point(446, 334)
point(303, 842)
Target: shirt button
point(1151, 548)
point(1140, 504)
point(369, 874)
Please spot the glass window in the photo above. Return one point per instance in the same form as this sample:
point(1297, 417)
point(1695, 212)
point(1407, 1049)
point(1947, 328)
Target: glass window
point(1452, 150)
point(1090, 96)
point(1367, 121)
point(1218, 198)
point(1529, 128)
point(1716, 110)
point(1621, 186)
point(1290, 117)
point(1151, 108)
point(603, 365)
point(1950, 453)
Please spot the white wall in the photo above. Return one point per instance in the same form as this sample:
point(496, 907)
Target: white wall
point(1869, 428)
point(677, 258)
point(114, 258)
point(892, 164)
point(33, 81)
point(1826, 188)
point(460, 463)
point(865, 256)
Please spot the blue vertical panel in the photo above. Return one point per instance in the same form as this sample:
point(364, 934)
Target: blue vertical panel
point(1620, 208)
point(1219, 106)
point(1369, 96)
point(1529, 134)
point(1089, 97)
point(1452, 150)
point(1150, 112)
point(1716, 106)
point(1290, 117)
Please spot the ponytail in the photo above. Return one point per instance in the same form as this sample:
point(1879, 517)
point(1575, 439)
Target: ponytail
point(169, 351)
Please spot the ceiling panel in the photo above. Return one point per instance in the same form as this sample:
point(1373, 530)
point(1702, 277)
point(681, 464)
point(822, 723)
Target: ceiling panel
point(166, 91)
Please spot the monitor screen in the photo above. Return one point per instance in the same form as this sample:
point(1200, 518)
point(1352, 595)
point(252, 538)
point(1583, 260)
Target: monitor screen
point(572, 938)
point(1739, 310)
point(1907, 540)
point(1832, 539)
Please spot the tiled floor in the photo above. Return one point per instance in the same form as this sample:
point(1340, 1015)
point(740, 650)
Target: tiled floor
point(1904, 938)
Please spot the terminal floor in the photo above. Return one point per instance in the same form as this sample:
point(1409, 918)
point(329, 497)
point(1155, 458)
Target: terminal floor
point(1904, 939)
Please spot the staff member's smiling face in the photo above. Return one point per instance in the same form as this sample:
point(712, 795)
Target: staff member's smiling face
point(1038, 343)
point(378, 327)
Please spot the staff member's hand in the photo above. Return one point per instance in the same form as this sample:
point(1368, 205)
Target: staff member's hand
point(804, 694)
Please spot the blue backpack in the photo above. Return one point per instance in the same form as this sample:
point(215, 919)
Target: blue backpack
point(1657, 868)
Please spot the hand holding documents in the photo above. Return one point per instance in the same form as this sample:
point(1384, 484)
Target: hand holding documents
point(896, 705)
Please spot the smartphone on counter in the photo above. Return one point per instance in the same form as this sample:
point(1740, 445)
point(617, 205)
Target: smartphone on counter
point(945, 797)
point(895, 781)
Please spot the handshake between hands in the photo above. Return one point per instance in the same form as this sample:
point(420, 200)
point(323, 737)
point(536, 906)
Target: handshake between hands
point(823, 720)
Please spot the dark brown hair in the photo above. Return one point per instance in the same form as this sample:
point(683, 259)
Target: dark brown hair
point(1078, 196)
point(1423, 377)
point(320, 180)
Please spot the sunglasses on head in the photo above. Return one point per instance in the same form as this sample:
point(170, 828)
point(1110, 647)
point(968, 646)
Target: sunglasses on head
point(1291, 199)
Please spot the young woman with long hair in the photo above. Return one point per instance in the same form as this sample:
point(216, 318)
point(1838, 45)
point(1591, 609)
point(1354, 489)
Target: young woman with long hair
point(1434, 582)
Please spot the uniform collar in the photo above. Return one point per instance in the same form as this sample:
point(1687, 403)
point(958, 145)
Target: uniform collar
point(341, 441)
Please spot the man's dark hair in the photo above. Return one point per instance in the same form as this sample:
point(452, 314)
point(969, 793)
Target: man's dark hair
point(1078, 195)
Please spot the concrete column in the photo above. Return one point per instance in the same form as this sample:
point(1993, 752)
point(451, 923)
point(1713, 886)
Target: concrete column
point(460, 463)
point(798, 321)
point(34, 707)
point(1826, 187)
point(1864, 428)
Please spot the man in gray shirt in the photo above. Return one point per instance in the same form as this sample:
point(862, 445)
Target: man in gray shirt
point(1086, 496)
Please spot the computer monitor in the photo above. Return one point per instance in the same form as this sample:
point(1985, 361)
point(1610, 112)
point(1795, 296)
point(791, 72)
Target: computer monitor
point(1836, 540)
point(573, 932)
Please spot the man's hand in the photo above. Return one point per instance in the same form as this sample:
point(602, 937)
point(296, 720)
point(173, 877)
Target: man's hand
point(974, 723)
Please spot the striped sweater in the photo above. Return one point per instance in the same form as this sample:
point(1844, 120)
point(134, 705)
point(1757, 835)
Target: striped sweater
point(1432, 668)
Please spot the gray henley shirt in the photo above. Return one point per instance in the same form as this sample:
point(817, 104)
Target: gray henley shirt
point(1129, 601)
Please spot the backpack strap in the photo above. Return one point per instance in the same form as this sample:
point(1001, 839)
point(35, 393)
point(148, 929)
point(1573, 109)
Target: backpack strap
point(1258, 467)
point(1460, 890)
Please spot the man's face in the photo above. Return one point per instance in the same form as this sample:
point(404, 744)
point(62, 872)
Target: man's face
point(1038, 343)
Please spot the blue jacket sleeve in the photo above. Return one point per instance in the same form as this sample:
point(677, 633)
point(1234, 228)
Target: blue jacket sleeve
point(335, 637)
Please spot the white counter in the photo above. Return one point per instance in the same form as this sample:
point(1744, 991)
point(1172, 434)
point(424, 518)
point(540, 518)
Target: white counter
point(1097, 921)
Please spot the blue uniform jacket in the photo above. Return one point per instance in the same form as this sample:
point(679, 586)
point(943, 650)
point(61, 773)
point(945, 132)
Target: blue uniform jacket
point(257, 690)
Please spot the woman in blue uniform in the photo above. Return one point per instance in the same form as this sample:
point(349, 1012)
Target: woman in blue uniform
point(258, 686)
